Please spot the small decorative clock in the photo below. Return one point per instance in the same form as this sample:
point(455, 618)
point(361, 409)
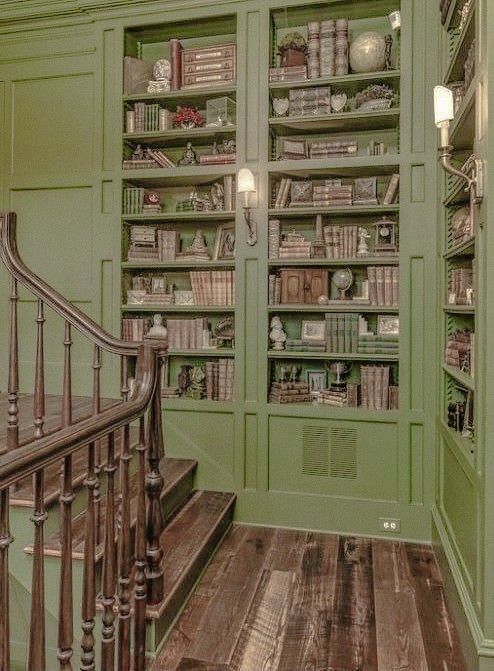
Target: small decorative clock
point(385, 239)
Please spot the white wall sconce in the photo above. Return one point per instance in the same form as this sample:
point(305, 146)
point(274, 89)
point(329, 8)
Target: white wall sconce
point(246, 184)
point(473, 170)
point(395, 20)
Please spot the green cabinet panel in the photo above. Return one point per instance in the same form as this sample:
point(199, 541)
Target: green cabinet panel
point(333, 458)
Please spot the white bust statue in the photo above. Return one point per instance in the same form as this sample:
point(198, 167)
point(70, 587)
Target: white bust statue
point(277, 335)
point(157, 330)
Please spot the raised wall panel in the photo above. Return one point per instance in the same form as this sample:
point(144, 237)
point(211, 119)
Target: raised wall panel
point(417, 332)
point(416, 464)
point(333, 458)
point(52, 126)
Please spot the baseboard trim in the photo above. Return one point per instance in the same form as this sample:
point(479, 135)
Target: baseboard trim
point(479, 650)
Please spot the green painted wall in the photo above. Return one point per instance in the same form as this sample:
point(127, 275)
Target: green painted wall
point(60, 151)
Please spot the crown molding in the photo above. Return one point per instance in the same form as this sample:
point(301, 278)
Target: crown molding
point(14, 12)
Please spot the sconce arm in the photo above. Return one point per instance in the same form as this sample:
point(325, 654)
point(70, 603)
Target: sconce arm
point(445, 154)
point(251, 225)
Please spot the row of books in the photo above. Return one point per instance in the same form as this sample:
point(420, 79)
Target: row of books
point(384, 285)
point(219, 380)
point(295, 149)
point(193, 333)
point(148, 118)
point(213, 287)
point(289, 392)
point(459, 351)
point(377, 392)
point(309, 101)
point(370, 343)
point(304, 345)
point(461, 286)
point(336, 192)
point(134, 329)
point(341, 241)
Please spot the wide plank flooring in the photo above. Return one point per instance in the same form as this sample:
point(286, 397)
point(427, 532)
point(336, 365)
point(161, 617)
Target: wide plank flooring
point(281, 600)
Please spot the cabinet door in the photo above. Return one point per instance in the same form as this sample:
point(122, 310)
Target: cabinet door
point(292, 285)
point(316, 284)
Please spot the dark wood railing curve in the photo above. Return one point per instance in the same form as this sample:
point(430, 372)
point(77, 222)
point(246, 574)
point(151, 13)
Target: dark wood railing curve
point(131, 563)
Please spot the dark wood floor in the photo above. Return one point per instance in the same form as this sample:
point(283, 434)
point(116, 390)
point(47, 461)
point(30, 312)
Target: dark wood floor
point(275, 600)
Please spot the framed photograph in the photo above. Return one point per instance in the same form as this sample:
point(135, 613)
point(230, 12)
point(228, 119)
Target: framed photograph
point(317, 380)
point(388, 325)
point(315, 331)
point(158, 284)
point(365, 191)
point(224, 244)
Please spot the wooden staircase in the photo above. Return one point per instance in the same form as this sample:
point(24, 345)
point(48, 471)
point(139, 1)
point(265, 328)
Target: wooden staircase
point(102, 538)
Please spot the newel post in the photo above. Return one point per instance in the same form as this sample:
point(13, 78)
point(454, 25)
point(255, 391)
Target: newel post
point(154, 485)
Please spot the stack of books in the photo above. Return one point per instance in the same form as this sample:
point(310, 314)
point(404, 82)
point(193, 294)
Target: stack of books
point(209, 66)
point(375, 383)
point(341, 241)
point(289, 392)
point(274, 228)
point(213, 287)
point(170, 392)
point(342, 333)
point(168, 245)
point(338, 398)
point(292, 73)
point(299, 345)
point(274, 289)
point(332, 193)
point(142, 244)
point(378, 344)
point(391, 194)
point(384, 285)
point(310, 102)
point(460, 286)
point(218, 159)
point(220, 376)
point(186, 334)
point(331, 148)
point(294, 246)
point(135, 329)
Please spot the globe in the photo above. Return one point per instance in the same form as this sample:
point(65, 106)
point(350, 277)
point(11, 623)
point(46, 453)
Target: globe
point(368, 52)
point(342, 280)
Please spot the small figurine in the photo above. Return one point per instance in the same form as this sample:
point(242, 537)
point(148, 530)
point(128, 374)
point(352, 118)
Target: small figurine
point(157, 330)
point(189, 156)
point(282, 373)
point(277, 334)
point(196, 387)
point(363, 247)
point(218, 196)
point(138, 153)
point(198, 246)
point(295, 371)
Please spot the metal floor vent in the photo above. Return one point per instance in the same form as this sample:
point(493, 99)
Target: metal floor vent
point(315, 446)
point(343, 453)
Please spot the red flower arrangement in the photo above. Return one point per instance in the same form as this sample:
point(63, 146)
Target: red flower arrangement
point(188, 117)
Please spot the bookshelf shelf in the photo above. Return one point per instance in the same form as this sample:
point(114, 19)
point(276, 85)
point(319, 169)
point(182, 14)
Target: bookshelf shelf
point(462, 378)
point(178, 308)
point(462, 133)
point(202, 352)
point(453, 17)
point(345, 121)
point(197, 96)
point(457, 195)
point(320, 411)
point(328, 356)
point(333, 307)
point(176, 265)
point(466, 248)
point(464, 448)
point(349, 210)
point(328, 263)
point(460, 309)
point(351, 79)
point(178, 137)
point(206, 217)
point(352, 167)
point(187, 175)
point(454, 71)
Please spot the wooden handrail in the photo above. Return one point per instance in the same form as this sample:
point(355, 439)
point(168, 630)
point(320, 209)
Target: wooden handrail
point(32, 457)
point(18, 269)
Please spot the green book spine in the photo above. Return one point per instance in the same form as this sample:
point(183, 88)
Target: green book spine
point(341, 333)
point(355, 320)
point(348, 333)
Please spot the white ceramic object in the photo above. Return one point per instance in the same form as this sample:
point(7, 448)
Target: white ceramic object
point(368, 52)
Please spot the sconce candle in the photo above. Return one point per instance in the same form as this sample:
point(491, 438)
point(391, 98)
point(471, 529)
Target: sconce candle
point(246, 184)
point(395, 19)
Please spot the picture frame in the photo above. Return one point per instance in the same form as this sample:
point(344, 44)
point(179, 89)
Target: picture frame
point(388, 325)
point(158, 284)
point(314, 331)
point(224, 244)
point(317, 380)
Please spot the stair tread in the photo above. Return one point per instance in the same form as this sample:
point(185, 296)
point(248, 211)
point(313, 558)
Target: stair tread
point(173, 472)
point(200, 523)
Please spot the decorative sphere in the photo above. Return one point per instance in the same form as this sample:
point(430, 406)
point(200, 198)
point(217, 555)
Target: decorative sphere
point(323, 299)
point(343, 279)
point(368, 52)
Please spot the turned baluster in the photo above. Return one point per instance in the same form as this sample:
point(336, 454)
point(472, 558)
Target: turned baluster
point(13, 385)
point(89, 576)
point(124, 556)
point(67, 378)
point(39, 381)
point(154, 485)
point(109, 560)
point(36, 652)
point(5, 541)
point(125, 378)
point(140, 590)
point(96, 410)
point(65, 608)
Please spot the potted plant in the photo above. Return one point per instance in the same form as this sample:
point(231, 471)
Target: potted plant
point(292, 49)
point(188, 117)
